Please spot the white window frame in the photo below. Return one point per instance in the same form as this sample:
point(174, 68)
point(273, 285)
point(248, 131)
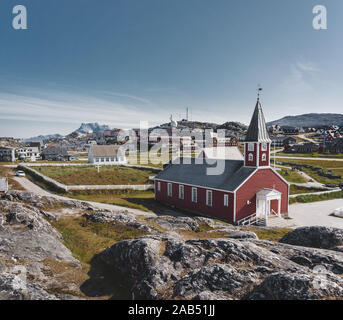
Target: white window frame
point(226, 200)
point(264, 157)
point(181, 192)
point(250, 157)
point(209, 199)
point(251, 146)
point(170, 190)
point(194, 195)
point(264, 146)
point(158, 185)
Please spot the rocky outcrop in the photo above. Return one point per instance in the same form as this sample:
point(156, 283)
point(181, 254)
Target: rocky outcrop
point(42, 201)
point(116, 217)
point(181, 257)
point(166, 267)
point(293, 286)
point(316, 237)
point(27, 241)
point(13, 287)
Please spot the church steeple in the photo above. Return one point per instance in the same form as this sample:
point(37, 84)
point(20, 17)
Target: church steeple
point(257, 141)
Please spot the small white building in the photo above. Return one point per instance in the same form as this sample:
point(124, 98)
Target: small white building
point(106, 155)
point(31, 153)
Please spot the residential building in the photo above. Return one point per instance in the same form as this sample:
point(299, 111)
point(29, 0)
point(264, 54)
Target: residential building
point(31, 153)
point(243, 188)
point(7, 154)
point(281, 141)
point(106, 155)
point(55, 153)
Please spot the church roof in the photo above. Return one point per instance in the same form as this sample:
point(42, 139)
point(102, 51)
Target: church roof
point(196, 174)
point(257, 131)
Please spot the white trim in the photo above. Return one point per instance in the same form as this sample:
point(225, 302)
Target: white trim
point(196, 195)
point(181, 192)
point(207, 198)
point(280, 176)
point(193, 185)
point(251, 174)
point(170, 194)
point(234, 207)
point(226, 200)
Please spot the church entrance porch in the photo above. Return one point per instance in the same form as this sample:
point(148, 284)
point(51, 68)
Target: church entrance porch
point(268, 203)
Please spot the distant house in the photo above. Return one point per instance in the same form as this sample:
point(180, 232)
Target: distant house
point(7, 154)
point(55, 153)
point(335, 146)
point(37, 144)
point(290, 131)
point(31, 153)
point(3, 185)
point(303, 148)
point(106, 155)
point(281, 141)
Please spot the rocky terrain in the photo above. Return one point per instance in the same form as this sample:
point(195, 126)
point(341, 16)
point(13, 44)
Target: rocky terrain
point(157, 257)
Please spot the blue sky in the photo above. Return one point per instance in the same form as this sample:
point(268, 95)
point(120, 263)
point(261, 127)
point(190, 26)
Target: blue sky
point(121, 61)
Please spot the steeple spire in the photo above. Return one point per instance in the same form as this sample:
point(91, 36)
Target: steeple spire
point(257, 131)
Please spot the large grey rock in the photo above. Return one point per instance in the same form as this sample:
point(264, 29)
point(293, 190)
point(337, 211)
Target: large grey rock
point(13, 287)
point(316, 237)
point(126, 218)
point(293, 286)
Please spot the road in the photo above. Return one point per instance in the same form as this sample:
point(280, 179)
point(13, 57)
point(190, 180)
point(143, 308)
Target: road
point(316, 213)
point(302, 136)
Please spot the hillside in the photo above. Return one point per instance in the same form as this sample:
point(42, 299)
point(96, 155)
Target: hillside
point(309, 120)
point(42, 138)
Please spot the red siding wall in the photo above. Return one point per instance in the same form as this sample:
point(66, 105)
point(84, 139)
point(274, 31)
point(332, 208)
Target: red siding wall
point(263, 178)
point(218, 210)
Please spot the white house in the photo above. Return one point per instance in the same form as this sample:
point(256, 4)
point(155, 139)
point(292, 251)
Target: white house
point(31, 153)
point(106, 155)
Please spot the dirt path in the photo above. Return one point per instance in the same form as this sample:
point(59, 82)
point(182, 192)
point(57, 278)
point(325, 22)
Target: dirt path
point(31, 187)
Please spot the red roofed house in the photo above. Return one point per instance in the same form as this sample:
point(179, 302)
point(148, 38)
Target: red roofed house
point(244, 190)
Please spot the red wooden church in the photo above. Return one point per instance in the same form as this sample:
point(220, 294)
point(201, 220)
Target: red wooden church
point(243, 188)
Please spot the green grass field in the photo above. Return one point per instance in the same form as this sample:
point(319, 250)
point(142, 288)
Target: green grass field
point(291, 176)
point(294, 189)
point(317, 197)
point(142, 200)
point(312, 155)
point(88, 175)
point(335, 166)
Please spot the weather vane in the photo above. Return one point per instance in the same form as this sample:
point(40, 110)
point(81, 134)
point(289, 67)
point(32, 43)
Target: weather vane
point(259, 89)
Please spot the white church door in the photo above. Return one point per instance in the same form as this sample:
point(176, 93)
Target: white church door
point(261, 207)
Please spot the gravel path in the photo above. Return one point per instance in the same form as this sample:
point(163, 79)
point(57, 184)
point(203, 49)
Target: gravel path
point(316, 213)
point(31, 187)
